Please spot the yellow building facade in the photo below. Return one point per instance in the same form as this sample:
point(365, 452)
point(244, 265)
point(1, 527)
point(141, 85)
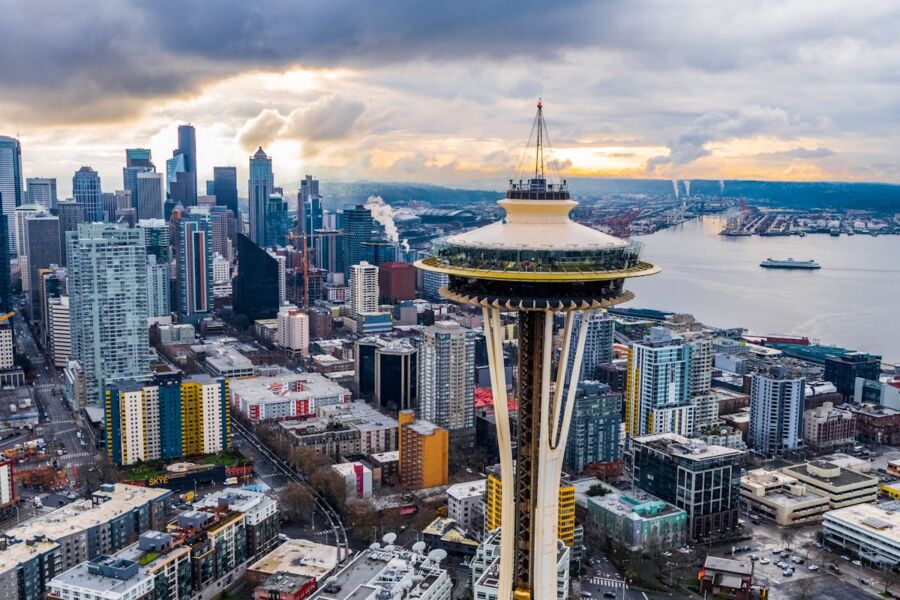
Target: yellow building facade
point(566, 522)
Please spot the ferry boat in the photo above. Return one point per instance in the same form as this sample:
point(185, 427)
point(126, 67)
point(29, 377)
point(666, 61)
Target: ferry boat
point(771, 263)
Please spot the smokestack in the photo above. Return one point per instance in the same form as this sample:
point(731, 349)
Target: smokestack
point(383, 213)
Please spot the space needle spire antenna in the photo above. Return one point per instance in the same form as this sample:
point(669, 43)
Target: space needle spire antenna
point(535, 263)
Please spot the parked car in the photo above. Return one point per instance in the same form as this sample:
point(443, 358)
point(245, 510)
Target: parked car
point(787, 573)
point(764, 561)
point(813, 568)
point(864, 581)
point(857, 563)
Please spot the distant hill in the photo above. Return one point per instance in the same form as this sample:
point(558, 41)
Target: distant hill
point(784, 194)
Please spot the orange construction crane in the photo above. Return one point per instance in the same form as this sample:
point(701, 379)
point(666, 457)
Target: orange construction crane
point(6, 316)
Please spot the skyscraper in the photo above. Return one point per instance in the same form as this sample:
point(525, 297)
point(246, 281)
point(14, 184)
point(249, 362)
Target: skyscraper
point(138, 157)
point(6, 300)
point(181, 169)
point(357, 225)
point(597, 344)
point(309, 206)
point(10, 184)
point(71, 214)
point(658, 373)
point(596, 420)
point(108, 304)
point(86, 191)
point(255, 287)
point(260, 186)
point(158, 297)
point(42, 190)
point(225, 188)
point(447, 376)
point(278, 223)
point(776, 412)
point(156, 239)
point(363, 288)
point(149, 195)
point(195, 276)
point(42, 248)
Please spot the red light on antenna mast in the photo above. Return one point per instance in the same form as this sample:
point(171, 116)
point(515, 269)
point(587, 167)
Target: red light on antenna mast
point(540, 104)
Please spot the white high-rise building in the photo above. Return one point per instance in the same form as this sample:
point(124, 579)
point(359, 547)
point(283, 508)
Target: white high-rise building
point(363, 288)
point(776, 412)
point(6, 346)
point(282, 276)
point(446, 376)
point(293, 330)
point(657, 398)
point(221, 276)
point(597, 345)
point(108, 301)
point(59, 331)
point(158, 298)
point(706, 403)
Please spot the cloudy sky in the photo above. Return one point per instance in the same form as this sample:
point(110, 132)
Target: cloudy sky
point(444, 92)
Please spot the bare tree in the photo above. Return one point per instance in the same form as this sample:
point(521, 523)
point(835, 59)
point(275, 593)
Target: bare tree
point(296, 502)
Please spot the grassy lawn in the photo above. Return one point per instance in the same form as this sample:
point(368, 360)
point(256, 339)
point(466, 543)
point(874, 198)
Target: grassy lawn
point(230, 458)
point(142, 471)
point(148, 558)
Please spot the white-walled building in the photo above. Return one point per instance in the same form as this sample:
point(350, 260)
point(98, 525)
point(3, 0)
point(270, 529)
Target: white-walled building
point(59, 331)
point(363, 288)
point(776, 412)
point(6, 346)
point(293, 330)
point(464, 500)
point(358, 478)
point(221, 276)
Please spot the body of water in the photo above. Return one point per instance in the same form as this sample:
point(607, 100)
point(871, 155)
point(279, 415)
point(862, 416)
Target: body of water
point(852, 301)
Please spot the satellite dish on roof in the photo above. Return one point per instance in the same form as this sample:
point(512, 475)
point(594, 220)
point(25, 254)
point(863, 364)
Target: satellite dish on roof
point(389, 538)
point(375, 546)
point(419, 547)
point(437, 555)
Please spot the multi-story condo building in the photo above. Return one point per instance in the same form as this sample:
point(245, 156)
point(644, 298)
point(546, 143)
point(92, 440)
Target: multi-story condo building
point(108, 304)
point(597, 344)
point(702, 480)
point(166, 418)
point(776, 412)
point(293, 330)
point(260, 516)
point(159, 303)
point(657, 396)
point(354, 428)
point(221, 276)
point(424, 452)
point(195, 262)
point(485, 567)
point(446, 376)
point(110, 520)
point(59, 331)
point(594, 432)
point(363, 288)
point(493, 513)
point(827, 427)
point(285, 396)
point(464, 501)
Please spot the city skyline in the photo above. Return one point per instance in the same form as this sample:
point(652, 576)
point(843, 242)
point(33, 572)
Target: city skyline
point(794, 92)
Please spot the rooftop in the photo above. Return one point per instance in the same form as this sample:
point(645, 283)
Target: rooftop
point(354, 415)
point(287, 386)
point(685, 448)
point(299, 557)
point(87, 576)
point(120, 499)
point(467, 489)
point(830, 473)
point(728, 565)
point(23, 551)
point(882, 520)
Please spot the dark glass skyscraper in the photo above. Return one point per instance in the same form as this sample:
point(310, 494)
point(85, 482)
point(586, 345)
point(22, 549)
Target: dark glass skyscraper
point(10, 185)
point(181, 169)
point(138, 157)
point(225, 188)
point(277, 221)
point(358, 229)
point(42, 245)
point(260, 186)
point(256, 284)
point(309, 205)
point(86, 191)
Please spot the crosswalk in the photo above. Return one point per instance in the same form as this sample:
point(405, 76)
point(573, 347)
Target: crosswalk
point(610, 583)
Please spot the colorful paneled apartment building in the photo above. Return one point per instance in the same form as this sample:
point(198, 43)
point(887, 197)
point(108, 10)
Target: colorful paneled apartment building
point(167, 418)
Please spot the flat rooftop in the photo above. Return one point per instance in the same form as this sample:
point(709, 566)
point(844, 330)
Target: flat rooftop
point(844, 478)
point(354, 415)
point(21, 552)
point(79, 576)
point(299, 557)
point(81, 515)
point(287, 386)
point(467, 489)
point(876, 519)
point(683, 447)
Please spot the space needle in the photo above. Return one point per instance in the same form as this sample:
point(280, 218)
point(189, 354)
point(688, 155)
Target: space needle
point(535, 262)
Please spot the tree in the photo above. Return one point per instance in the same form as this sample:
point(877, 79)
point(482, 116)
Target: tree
point(598, 489)
point(362, 518)
point(891, 577)
point(805, 585)
point(332, 486)
point(297, 503)
point(786, 537)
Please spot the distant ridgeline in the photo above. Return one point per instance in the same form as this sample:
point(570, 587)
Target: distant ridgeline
point(785, 194)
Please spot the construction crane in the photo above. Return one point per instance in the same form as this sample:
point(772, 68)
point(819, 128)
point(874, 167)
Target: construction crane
point(303, 237)
point(7, 316)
